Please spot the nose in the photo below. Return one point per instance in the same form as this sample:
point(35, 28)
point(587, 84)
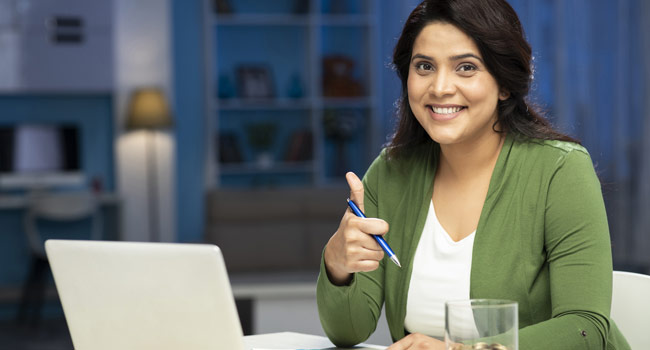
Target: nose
point(442, 84)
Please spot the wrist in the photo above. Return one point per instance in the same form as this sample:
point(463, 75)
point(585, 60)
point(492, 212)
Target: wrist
point(336, 275)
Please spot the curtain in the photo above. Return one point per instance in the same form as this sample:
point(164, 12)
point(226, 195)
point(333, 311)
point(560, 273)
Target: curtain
point(592, 77)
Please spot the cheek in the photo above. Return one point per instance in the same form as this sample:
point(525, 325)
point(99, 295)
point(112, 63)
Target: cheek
point(484, 93)
point(410, 89)
point(416, 87)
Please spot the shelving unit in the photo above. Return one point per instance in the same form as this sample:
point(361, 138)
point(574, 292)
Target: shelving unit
point(292, 95)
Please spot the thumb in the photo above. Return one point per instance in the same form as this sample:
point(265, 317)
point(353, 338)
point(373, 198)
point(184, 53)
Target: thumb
point(356, 189)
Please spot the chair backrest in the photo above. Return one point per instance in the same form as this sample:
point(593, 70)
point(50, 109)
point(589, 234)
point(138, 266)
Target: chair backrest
point(631, 307)
point(68, 206)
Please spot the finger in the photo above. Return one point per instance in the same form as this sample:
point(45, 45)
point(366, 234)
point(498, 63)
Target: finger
point(403, 344)
point(361, 246)
point(373, 255)
point(360, 232)
point(356, 189)
point(366, 250)
point(371, 226)
point(366, 265)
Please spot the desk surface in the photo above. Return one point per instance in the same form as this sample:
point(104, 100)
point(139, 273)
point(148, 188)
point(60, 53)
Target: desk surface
point(15, 201)
point(291, 340)
point(283, 285)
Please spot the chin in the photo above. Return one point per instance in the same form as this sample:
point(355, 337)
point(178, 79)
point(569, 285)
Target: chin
point(444, 138)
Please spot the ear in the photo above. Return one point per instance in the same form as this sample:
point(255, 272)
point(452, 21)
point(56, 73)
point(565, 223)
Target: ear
point(504, 95)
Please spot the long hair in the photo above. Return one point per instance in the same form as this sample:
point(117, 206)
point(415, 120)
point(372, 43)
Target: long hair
point(499, 36)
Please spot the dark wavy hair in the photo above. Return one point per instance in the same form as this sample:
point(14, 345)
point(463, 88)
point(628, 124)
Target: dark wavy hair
point(499, 36)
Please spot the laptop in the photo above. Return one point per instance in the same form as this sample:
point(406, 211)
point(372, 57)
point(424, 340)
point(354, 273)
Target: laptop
point(128, 295)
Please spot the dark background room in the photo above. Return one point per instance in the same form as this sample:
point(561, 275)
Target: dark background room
point(266, 105)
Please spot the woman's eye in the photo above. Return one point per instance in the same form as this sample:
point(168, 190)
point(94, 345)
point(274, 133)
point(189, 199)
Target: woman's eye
point(467, 68)
point(423, 66)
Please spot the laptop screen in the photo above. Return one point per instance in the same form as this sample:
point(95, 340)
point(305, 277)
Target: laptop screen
point(131, 295)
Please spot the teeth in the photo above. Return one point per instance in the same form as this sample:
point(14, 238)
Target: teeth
point(448, 110)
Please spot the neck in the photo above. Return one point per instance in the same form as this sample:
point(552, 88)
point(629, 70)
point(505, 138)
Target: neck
point(465, 161)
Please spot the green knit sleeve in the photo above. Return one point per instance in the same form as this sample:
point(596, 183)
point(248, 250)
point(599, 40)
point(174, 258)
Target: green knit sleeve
point(577, 246)
point(349, 314)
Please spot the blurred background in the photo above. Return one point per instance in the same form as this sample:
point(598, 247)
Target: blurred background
point(233, 121)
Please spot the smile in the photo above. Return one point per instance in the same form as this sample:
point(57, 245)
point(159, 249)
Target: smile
point(446, 110)
point(444, 113)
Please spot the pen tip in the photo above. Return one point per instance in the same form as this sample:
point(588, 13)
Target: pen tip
point(348, 200)
point(394, 258)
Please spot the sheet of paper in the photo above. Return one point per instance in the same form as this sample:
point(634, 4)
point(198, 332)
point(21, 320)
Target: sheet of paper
point(369, 347)
point(295, 341)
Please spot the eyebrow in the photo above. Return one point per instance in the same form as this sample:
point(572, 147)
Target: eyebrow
point(452, 58)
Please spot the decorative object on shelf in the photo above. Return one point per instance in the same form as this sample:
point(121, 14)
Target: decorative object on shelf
point(338, 77)
point(261, 137)
point(149, 110)
point(340, 126)
point(225, 89)
point(255, 81)
point(222, 6)
point(229, 149)
point(295, 89)
point(97, 184)
point(338, 6)
point(300, 147)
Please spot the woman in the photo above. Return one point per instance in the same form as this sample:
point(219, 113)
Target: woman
point(477, 195)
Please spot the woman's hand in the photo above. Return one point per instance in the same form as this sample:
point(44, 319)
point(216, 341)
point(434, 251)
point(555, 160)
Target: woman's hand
point(352, 248)
point(417, 341)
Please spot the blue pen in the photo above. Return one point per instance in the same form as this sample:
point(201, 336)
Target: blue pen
point(378, 238)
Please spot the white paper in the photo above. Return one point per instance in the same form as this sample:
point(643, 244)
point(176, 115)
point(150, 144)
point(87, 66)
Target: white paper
point(296, 341)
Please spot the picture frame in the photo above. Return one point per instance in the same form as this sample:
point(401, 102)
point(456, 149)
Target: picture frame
point(255, 81)
point(222, 7)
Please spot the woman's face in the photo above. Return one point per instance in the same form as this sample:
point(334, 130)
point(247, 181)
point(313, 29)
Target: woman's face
point(450, 91)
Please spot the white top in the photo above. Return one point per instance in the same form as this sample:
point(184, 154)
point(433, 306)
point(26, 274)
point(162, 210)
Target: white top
point(441, 271)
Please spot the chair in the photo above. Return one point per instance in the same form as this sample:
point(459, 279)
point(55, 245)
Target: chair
point(631, 307)
point(61, 208)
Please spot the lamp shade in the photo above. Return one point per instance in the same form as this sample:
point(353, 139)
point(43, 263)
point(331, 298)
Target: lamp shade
point(148, 109)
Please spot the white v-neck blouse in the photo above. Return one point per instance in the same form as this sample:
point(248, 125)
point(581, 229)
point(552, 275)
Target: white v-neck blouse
point(441, 272)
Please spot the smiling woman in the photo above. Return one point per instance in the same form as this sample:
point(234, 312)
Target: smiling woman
point(477, 195)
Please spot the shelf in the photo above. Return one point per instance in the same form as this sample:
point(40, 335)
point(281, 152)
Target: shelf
point(347, 102)
point(289, 44)
point(247, 20)
point(242, 104)
point(274, 168)
point(272, 104)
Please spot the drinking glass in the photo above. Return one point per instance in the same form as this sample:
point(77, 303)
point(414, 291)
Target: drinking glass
point(481, 324)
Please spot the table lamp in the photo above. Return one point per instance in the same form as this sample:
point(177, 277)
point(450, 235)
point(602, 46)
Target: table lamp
point(148, 109)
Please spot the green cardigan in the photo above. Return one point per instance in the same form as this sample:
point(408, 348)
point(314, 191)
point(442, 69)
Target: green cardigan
point(542, 240)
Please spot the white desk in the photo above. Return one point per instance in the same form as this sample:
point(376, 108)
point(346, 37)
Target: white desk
point(14, 201)
point(286, 301)
point(110, 199)
point(291, 340)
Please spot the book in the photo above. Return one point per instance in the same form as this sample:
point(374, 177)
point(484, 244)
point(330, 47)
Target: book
point(229, 150)
point(300, 146)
